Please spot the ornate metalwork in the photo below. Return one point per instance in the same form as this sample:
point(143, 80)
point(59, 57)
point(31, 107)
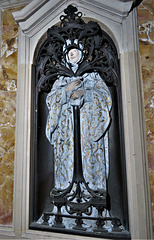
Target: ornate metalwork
point(98, 50)
point(99, 54)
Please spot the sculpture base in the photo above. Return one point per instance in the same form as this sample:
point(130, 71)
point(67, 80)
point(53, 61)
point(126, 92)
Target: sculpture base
point(61, 225)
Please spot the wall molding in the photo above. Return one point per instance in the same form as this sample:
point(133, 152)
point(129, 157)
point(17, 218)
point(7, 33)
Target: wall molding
point(4, 4)
point(27, 17)
point(8, 230)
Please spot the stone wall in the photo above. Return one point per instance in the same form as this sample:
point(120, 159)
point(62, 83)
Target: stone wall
point(146, 41)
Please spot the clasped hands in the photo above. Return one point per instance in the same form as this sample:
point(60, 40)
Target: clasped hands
point(73, 85)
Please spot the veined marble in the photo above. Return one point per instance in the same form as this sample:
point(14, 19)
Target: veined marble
point(8, 87)
point(146, 38)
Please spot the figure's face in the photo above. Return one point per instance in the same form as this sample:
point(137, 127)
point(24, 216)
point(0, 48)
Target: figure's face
point(73, 55)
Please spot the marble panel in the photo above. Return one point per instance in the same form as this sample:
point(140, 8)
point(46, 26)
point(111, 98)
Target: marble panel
point(8, 87)
point(146, 38)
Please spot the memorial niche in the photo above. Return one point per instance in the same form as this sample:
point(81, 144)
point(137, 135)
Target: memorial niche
point(78, 174)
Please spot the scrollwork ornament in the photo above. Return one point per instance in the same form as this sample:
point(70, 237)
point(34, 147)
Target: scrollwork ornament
point(99, 53)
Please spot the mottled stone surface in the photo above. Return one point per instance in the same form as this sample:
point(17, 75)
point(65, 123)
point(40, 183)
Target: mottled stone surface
point(8, 87)
point(146, 37)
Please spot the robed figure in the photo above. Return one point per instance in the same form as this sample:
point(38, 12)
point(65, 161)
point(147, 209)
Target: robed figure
point(92, 96)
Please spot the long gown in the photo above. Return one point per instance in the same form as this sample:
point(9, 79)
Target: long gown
point(95, 108)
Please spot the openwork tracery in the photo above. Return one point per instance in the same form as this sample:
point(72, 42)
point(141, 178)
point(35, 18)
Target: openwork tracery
point(80, 201)
point(98, 50)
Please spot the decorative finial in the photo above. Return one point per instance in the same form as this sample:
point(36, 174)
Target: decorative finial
point(71, 14)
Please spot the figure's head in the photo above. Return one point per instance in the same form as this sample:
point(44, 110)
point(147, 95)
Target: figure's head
point(73, 55)
point(73, 51)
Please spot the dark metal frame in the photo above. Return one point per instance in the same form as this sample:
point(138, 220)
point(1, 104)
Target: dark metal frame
point(100, 55)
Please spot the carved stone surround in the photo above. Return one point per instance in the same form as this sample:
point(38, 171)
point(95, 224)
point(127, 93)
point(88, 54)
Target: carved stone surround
point(113, 17)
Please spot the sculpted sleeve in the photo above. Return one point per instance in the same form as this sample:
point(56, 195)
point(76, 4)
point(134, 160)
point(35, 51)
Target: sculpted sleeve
point(55, 99)
point(100, 99)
